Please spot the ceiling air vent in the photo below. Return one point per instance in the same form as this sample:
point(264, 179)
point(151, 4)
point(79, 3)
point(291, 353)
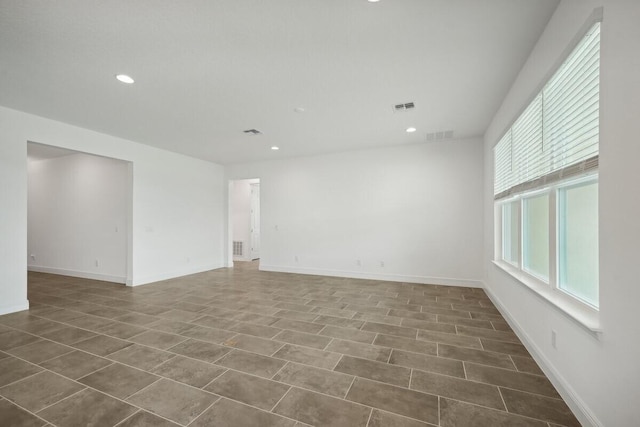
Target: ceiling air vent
point(398, 108)
point(253, 132)
point(440, 135)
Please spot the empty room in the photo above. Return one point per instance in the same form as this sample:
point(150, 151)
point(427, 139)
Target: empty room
point(358, 213)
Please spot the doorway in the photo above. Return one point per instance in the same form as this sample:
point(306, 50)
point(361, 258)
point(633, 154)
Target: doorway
point(244, 210)
point(79, 214)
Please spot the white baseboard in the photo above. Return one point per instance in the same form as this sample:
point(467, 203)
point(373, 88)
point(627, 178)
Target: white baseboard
point(77, 273)
point(173, 274)
point(6, 309)
point(575, 403)
point(375, 276)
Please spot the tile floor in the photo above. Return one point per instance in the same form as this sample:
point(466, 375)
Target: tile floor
point(239, 347)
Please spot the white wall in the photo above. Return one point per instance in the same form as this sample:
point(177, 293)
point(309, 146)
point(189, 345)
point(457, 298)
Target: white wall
point(598, 375)
point(417, 208)
point(178, 212)
point(241, 215)
point(77, 217)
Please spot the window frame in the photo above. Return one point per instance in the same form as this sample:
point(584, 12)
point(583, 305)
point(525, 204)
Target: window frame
point(583, 312)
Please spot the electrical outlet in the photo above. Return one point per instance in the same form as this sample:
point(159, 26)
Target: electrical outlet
point(554, 337)
point(97, 263)
point(358, 263)
point(296, 258)
point(188, 260)
point(381, 263)
point(33, 257)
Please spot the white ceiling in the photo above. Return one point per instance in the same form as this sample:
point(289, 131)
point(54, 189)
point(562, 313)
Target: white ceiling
point(206, 70)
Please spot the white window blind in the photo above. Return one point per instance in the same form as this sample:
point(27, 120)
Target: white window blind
point(557, 135)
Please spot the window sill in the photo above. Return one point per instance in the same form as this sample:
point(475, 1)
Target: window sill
point(585, 316)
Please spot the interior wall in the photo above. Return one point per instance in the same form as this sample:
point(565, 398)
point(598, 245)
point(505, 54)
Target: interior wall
point(241, 215)
point(77, 217)
point(409, 213)
point(177, 203)
point(598, 375)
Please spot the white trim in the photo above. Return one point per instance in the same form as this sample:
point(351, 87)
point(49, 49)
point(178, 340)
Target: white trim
point(77, 273)
point(579, 312)
point(446, 281)
point(137, 281)
point(6, 309)
point(580, 409)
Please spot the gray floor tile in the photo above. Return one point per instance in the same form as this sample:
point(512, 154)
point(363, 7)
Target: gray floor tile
point(452, 339)
point(157, 339)
point(146, 419)
point(535, 406)
point(527, 364)
point(262, 366)
point(456, 388)
point(40, 351)
point(356, 349)
point(208, 352)
point(460, 414)
point(118, 380)
point(249, 389)
point(141, 357)
point(427, 363)
point(377, 371)
point(410, 403)
point(192, 372)
point(172, 400)
point(301, 338)
point(308, 356)
point(320, 410)
point(102, 345)
point(474, 355)
point(76, 364)
point(105, 410)
point(298, 325)
point(69, 335)
point(12, 339)
point(406, 344)
point(14, 416)
point(39, 391)
point(348, 334)
point(226, 413)
point(253, 344)
point(387, 419)
point(12, 369)
point(511, 379)
point(316, 379)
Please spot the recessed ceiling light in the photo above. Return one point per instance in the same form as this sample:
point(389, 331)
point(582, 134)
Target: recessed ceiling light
point(411, 130)
point(373, 1)
point(274, 148)
point(124, 78)
point(299, 110)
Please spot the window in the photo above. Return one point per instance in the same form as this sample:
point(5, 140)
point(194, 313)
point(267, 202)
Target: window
point(578, 241)
point(535, 236)
point(511, 232)
point(546, 182)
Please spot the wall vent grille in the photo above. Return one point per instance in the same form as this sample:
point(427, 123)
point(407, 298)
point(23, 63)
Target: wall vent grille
point(238, 248)
point(440, 135)
point(399, 108)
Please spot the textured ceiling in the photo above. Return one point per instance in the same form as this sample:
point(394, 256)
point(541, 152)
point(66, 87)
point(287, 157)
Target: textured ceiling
point(206, 70)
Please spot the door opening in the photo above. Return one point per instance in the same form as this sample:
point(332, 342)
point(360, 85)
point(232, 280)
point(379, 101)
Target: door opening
point(244, 221)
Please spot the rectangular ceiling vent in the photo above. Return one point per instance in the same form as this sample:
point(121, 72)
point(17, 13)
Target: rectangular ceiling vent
point(253, 132)
point(440, 135)
point(399, 108)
